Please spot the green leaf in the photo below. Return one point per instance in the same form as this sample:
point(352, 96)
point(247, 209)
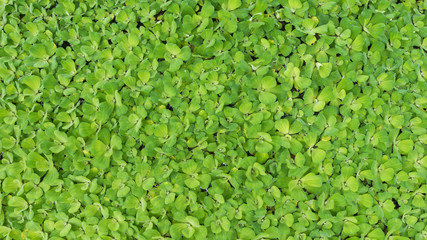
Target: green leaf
point(4, 231)
point(87, 129)
point(246, 233)
point(302, 82)
point(394, 225)
point(175, 64)
point(358, 43)
point(376, 234)
point(326, 95)
point(4, 113)
point(311, 180)
point(161, 131)
point(282, 125)
point(116, 142)
point(10, 185)
point(193, 221)
point(52, 177)
point(319, 106)
point(192, 183)
point(65, 230)
point(268, 83)
point(350, 228)
point(144, 76)
point(207, 10)
point(39, 162)
point(397, 121)
point(32, 82)
point(61, 136)
point(133, 40)
point(63, 117)
point(98, 148)
point(188, 232)
point(123, 192)
point(225, 224)
point(263, 147)
point(148, 183)
point(377, 30)
point(234, 4)
point(352, 184)
point(318, 155)
point(5, 73)
point(365, 200)
point(245, 107)
point(418, 201)
point(173, 48)
point(18, 202)
point(387, 175)
point(177, 229)
point(296, 127)
point(295, 4)
point(324, 69)
point(288, 219)
point(267, 98)
point(38, 51)
point(405, 146)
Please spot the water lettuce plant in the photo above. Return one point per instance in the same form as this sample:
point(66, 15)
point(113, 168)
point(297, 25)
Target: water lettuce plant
point(213, 119)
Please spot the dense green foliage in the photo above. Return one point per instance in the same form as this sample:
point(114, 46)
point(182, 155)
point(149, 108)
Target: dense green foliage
point(213, 119)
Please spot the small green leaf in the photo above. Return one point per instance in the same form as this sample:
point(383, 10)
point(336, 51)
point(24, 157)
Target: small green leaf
point(173, 48)
point(352, 184)
point(38, 51)
point(148, 183)
point(18, 202)
point(161, 131)
point(63, 117)
point(311, 180)
point(318, 155)
point(263, 147)
point(324, 69)
point(397, 121)
point(87, 129)
point(234, 4)
point(387, 175)
point(268, 83)
point(289, 219)
point(10, 185)
point(358, 43)
point(98, 148)
point(32, 82)
point(65, 230)
point(326, 95)
point(350, 228)
point(365, 200)
point(39, 162)
point(405, 146)
point(295, 4)
point(267, 98)
point(282, 126)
